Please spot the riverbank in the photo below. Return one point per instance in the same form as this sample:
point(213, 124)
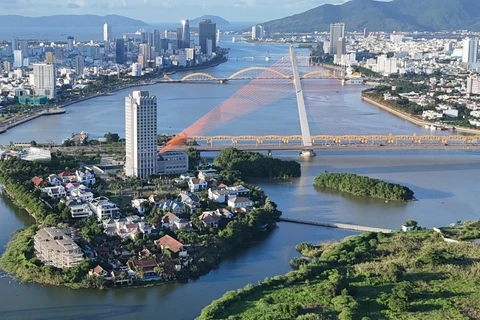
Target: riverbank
point(371, 276)
point(412, 119)
point(140, 82)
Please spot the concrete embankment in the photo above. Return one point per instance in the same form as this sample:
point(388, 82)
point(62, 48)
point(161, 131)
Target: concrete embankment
point(412, 119)
point(48, 112)
point(338, 226)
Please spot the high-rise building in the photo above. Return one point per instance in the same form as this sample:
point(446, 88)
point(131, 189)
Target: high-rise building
point(44, 79)
point(470, 50)
point(18, 59)
point(341, 48)
point(136, 69)
point(218, 36)
point(23, 45)
point(186, 34)
point(337, 31)
point(107, 32)
point(7, 66)
point(70, 43)
point(145, 51)
point(165, 34)
point(49, 57)
point(14, 44)
point(120, 51)
point(157, 40)
point(473, 84)
point(79, 65)
point(257, 32)
point(140, 134)
point(207, 30)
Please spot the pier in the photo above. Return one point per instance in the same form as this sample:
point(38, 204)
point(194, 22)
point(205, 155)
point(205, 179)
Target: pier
point(343, 226)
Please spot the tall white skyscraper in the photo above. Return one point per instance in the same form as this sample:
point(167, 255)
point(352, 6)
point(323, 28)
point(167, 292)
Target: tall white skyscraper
point(140, 134)
point(186, 33)
point(18, 59)
point(107, 32)
point(44, 79)
point(470, 50)
point(337, 31)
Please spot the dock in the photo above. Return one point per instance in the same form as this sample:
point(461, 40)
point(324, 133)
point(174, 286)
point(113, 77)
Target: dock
point(343, 226)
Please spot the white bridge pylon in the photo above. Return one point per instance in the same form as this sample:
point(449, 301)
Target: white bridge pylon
point(302, 112)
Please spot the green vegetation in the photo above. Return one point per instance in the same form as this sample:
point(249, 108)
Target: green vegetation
point(256, 165)
point(19, 259)
point(413, 275)
point(468, 231)
point(363, 186)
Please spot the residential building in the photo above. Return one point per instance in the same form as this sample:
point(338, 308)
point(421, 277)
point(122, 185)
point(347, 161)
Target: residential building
point(107, 32)
point(210, 219)
point(55, 192)
point(217, 195)
point(145, 51)
point(195, 184)
point(139, 205)
point(44, 79)
point(173, 222)
point(208, 174)
point(337, 31)
point(85, 176)
point(473, 84)
point(70, 41)
point(79, 210)
point(55, 247)
point(55, 180)
point(38, 181)
point(172, 162)
point(141, 134)
point(257, 32)
point(103, 208)
point(147, 265)
point(207, 30)
point(174, 246)
point(239, 202)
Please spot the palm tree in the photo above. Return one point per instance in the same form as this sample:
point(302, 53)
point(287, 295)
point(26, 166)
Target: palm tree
point(159, 269)
point(139, 273)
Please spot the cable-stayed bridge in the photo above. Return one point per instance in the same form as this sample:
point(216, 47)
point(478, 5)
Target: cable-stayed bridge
point(271, 84)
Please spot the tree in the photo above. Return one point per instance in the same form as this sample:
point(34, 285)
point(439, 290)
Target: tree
point(193, 158)
point(140, 273)
point(410, 223)
point(111, 137)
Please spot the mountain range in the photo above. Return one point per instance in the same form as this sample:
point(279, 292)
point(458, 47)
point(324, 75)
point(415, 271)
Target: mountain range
point(396, 15)
point(70, 21)
point(218, 20)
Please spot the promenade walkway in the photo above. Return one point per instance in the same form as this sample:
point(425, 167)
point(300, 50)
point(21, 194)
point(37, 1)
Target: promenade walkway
point(344, 226)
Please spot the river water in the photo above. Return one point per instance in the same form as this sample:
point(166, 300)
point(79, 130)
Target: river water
point(444, 182)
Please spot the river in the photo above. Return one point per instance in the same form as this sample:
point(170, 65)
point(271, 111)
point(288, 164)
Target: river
point(444, 182)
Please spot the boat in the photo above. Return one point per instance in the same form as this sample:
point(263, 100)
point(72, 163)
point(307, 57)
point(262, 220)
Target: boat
point(267, 57)
point(307, 153)
point(233, 40)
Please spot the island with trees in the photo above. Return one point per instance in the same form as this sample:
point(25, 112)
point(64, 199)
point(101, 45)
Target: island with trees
point(363, 186)
point(164, 228)
point(402, 275)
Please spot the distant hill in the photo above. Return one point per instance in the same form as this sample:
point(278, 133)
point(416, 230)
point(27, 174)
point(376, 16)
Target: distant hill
point(218, 20)
point(70, 21)
point(399, 15)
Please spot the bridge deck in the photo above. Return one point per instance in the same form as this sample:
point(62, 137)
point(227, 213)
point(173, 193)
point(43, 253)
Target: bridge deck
point(343, 226)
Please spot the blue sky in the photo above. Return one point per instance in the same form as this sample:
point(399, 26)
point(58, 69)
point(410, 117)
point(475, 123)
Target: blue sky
point(159, 11)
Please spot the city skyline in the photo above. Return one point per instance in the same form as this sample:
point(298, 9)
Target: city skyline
point(168, 11)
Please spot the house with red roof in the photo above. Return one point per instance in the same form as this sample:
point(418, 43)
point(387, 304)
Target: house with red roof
point(38, 182)
point(174, 246)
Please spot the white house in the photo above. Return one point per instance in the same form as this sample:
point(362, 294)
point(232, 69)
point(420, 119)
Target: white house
point(55, 192)
point(79, 210)
point(208, 174)
point(80, 194)
point(239, 202)
point(195, 184)
point(218, 195)
point(138, 204)
point(55, 180)
point(475, 113)
point(85, 176)
point(407, 228)
point(103, 208)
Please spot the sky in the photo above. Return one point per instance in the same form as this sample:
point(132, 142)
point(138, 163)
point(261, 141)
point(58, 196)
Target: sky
point(162, 11)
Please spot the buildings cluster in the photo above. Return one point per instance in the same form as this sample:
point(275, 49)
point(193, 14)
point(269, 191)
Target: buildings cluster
point(32, 71)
